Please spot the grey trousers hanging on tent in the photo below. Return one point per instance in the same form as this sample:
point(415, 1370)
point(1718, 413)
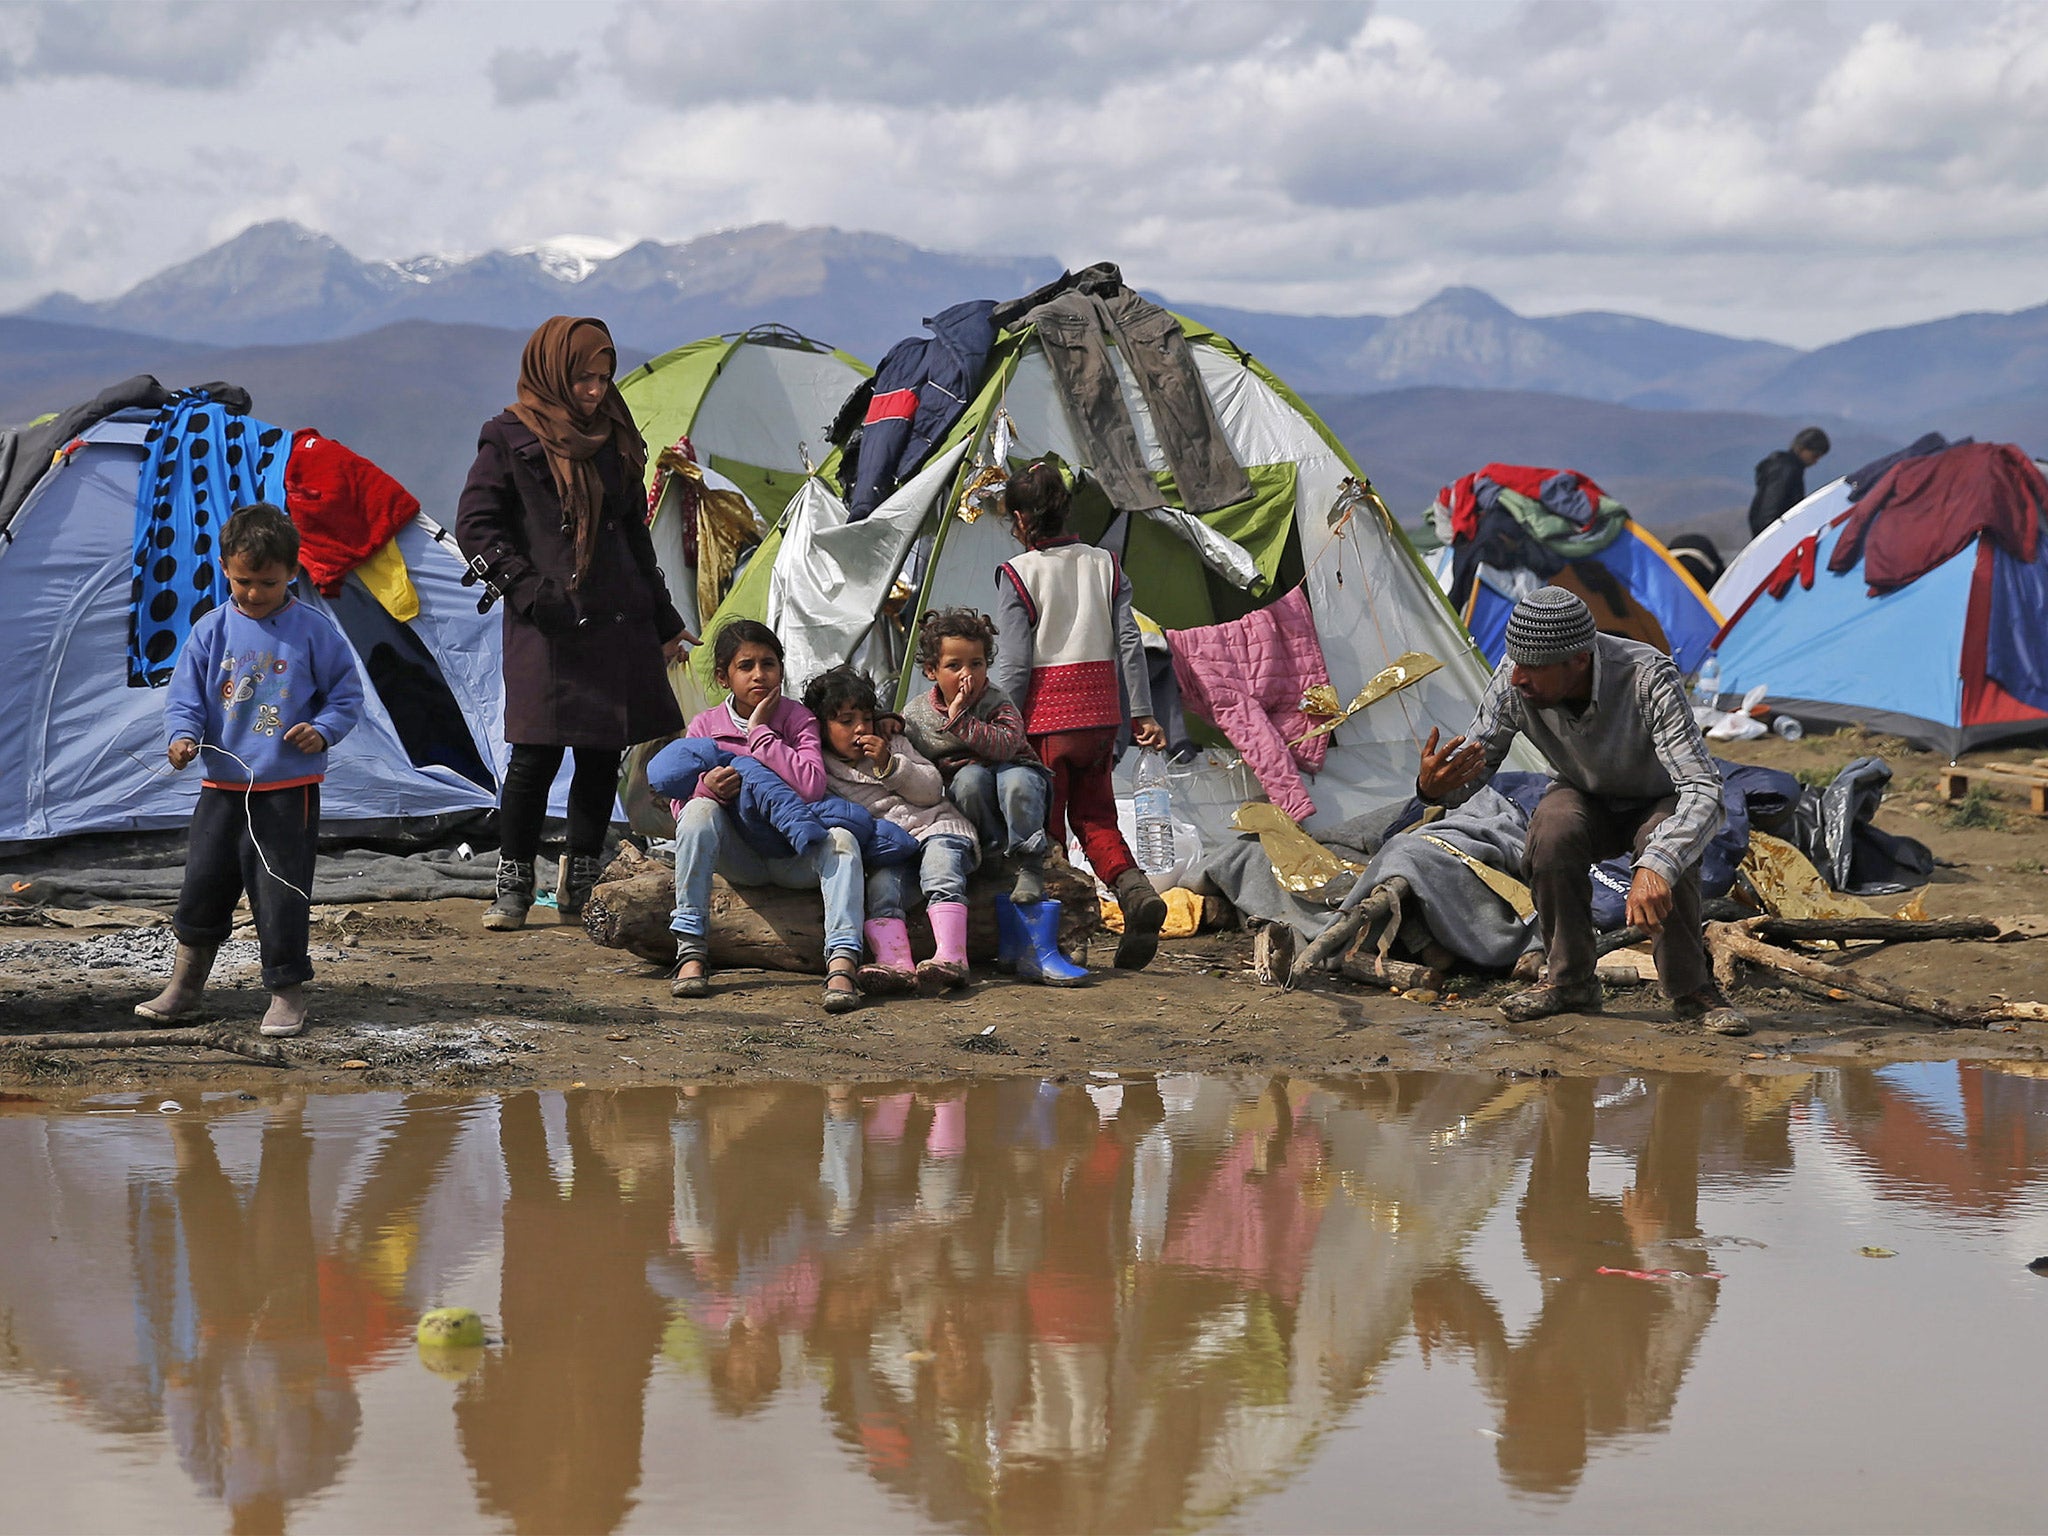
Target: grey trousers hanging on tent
point(1070, 328)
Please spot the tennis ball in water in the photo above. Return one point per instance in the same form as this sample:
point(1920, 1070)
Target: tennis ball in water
point(455, 1362)
point(450, 1328)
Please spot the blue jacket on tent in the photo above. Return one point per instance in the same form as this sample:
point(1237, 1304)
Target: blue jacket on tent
point(922, 388)
point(775, 820)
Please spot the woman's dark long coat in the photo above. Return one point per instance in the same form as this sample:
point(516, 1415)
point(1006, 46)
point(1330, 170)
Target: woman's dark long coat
point(583, 662)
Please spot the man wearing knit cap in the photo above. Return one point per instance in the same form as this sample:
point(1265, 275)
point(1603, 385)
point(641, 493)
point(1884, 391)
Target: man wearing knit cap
point(1633, 774)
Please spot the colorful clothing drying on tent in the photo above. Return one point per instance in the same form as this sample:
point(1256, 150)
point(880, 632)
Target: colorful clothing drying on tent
point(922, 388)
point(206, 460)
point(715, 526)
point(1509, 529)
point(1938, 505)
point(1564, 494)
point(1860, 481)
point(1247, 677)
point(1076, 317)
point(345, 508)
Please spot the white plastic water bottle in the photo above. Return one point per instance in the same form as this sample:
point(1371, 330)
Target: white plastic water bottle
point(1152, 802)
point(1787, 727)
point(1707, 689)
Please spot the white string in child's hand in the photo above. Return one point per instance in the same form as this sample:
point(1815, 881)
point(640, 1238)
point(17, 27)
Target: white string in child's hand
point(248, 809)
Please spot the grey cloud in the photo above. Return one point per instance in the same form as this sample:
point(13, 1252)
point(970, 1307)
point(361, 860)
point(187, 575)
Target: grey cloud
point(188, 44)
point(522, 75)
point(1546, 24)
point(945, 52)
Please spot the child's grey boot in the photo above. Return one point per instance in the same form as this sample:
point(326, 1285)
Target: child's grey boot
point(180, 1000)
point(515, 895)
point(1029, 886)
point(286, 1015)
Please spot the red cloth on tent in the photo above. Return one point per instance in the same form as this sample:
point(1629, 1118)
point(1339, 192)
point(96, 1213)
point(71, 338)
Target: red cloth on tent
point(345, 507)
point(1460, 499)
point(1935, 506)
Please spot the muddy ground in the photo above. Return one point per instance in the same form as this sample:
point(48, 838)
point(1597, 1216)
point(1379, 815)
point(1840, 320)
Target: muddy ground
point(416, 994)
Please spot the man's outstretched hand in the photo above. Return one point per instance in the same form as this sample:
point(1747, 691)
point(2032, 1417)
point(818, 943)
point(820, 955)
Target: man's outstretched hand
point(1447, 769)
point(1649, 900)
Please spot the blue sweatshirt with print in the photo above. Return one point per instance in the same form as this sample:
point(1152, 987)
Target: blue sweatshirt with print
point(241, 683)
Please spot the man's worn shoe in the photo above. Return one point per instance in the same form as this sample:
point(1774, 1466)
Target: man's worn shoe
point(1710, 1008)
point(515, 896)
point(1144, 912)
point(1540, 1002)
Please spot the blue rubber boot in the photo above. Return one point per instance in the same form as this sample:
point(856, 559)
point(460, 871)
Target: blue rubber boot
point(1040, 959)
point(1011, 939)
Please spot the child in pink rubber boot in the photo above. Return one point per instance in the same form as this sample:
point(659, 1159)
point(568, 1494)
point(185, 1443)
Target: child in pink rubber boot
point(895, 781)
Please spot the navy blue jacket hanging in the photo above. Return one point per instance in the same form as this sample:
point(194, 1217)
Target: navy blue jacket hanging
point(923, 387)
point(204, 462)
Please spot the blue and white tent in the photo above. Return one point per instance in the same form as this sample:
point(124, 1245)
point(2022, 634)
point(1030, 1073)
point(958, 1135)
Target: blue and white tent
point(1956, 659)
point(84, 752)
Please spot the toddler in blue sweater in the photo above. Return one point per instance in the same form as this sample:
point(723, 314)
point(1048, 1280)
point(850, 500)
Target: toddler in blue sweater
point(264, 687)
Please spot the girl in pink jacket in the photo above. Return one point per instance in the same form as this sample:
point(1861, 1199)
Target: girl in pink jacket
point(759, 722)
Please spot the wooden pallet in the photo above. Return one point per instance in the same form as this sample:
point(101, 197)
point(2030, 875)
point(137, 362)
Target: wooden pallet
point(1955, 783)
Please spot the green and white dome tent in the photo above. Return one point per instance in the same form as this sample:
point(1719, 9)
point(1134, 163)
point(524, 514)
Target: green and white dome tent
point(756, 406)
point(1372, 598)
point(1312, 520)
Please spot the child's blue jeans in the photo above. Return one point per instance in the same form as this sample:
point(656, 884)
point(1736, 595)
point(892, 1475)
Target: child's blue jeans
point(1007, 805)
point(708, 843)
point(940, 871)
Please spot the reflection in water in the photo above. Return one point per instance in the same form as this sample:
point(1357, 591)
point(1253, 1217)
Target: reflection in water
point(1120, 1305)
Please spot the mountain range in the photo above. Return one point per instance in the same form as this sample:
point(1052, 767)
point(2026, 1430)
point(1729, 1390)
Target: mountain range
point(279, 283)
point(404, 358)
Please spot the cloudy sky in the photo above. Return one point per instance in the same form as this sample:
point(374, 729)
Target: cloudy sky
point(1792, 170)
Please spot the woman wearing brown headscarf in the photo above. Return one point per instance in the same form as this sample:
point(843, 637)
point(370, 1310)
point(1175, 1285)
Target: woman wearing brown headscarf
point(553, 519)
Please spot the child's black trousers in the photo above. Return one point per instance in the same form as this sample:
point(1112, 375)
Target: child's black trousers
point(221, 862)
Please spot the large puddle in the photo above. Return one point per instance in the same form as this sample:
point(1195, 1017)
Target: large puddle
point(1402, 1302)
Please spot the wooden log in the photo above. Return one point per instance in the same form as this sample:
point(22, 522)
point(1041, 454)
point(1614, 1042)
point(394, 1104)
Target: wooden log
point(1400, 976)
point(1731, 942)
point(784, 930)
point(211, 1036)
point(1810, 930)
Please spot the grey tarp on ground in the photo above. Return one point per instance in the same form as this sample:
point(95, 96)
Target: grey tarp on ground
point(351, 876)
point(1463, 912)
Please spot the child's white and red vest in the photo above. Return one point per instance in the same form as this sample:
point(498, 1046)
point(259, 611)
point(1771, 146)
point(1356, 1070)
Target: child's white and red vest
point(1069, 589)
